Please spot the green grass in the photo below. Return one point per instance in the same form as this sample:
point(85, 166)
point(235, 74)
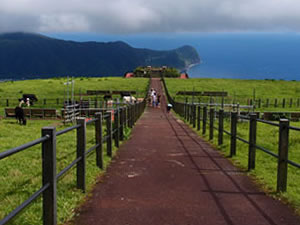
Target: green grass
point(21, 173)
point(54, 88)
point(240, 91)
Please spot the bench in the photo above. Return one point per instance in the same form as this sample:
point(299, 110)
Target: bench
point(32, 112)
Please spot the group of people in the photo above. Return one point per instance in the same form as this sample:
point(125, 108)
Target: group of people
point(154, 99)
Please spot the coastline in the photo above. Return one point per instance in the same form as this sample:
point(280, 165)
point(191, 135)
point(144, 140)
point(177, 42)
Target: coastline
point(186, 69)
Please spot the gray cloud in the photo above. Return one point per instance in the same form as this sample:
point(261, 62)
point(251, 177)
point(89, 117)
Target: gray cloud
point(136, 16)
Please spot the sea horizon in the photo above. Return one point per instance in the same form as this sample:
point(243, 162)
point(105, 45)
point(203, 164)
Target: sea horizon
point(223, 55)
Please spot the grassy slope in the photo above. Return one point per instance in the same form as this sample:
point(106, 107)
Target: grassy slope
point(267, 136)
point(240, 90)
point(55, 88)
point(21, 173)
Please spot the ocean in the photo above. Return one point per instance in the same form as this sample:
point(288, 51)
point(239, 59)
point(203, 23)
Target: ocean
point(223, 55)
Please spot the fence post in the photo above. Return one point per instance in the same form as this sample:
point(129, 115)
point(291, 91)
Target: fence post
point(211, 123)
point(45, 101)
point(191, 113)
point(267, 103)
point(222, 103)
point(137, 106)
point(283, 103)
point(131, 116)
point(221, 126)
point(134, 114)
point(49, 176)
point(125, 117)
point(116, 128)
point(81, 144)
point(194, 116)
point(282, 167)
point(198, 117)
point(95, 103)
point(7, 102)
point(121, 123)
point(185, 109)
point(233, 134)
point(204, 119)
point(188, 112)
point(109, 134)
point(128, 116)
point(252, 141)
point(98, 133)
point(291, 102)
point(181, 105)
point(136, 111)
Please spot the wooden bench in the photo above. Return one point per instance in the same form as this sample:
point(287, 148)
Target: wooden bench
point(32, 112)
point(10, 112)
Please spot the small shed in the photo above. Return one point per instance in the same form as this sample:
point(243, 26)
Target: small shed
point(129, 75)
point(184, 76)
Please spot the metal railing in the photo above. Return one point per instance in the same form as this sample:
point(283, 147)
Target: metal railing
point(115, 121)
point(195, 114)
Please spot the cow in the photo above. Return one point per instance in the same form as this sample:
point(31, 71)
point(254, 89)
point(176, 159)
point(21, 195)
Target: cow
point(20, 116)
point(106, 97)
point(125, 94)
point(30, 98)
point(129, 99)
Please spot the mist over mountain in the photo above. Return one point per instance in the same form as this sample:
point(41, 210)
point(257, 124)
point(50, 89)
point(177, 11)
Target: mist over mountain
point(26, 55)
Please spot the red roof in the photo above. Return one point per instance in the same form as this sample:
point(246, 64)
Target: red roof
point(184, 76)
point(128, 75)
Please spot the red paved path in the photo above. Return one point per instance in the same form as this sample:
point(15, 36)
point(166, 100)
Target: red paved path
point(166, 175)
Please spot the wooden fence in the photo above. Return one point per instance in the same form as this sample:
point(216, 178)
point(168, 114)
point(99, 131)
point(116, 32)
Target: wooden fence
point(202, 117)
point(123, 117)
point(257, 103)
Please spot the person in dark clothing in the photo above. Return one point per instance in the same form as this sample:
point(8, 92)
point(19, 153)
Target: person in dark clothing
point(20, 116)
point(158, 100)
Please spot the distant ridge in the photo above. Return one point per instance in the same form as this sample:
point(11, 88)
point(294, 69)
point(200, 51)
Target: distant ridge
point(27, 55)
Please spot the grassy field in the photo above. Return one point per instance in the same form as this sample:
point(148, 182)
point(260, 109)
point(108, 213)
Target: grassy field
point(240, 91)
point(54, 88)
point(21, 173)
point(265, 172)
point(267, 136)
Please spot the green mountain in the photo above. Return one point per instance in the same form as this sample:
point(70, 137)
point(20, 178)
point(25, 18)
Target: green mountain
point(25, 55)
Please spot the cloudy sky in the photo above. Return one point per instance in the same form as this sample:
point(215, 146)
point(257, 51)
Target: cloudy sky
point(140, 16)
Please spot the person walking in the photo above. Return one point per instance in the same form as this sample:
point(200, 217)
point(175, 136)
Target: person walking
point(154, 99)
point(158, 100)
